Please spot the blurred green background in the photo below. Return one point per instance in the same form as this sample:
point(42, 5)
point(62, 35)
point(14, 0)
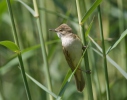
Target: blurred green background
point(52, 14)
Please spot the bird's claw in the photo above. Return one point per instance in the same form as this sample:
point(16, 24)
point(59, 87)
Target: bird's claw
point(84, 47)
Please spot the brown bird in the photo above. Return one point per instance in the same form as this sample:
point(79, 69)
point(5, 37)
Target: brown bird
point(72, 48)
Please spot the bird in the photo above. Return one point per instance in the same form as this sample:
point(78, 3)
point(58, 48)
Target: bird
point(72, 49)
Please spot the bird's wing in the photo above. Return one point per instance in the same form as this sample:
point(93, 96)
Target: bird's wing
point(80, 82)
point(68, 59)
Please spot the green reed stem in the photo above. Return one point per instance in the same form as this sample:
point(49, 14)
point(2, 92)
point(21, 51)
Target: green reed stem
point(104, 53)
point(1, 86)
point(80, 7)
point(43, 15)
point(121, 29)
point(43, 48)
point(95, 75)
point(24, 75)
point(12, 22)
point(19, 54)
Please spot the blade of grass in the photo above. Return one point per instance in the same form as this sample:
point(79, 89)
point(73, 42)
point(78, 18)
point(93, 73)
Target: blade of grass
point(89, 28)
point(90, 11)
point(13, 61)
point(95, 43)
point(26, 53)
point(64, 85)
point(118, 41)
point(66, 79)
point(41, 86)
point(27, 7)
point(113, 63)
point(104, 53)
point(110, 60)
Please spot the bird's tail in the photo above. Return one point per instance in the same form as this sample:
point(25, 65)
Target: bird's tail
point(80, 82)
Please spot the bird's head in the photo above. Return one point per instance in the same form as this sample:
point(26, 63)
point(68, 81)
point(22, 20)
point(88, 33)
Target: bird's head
point(62, 30)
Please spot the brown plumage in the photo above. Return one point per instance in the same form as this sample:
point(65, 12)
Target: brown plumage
point(80, 82)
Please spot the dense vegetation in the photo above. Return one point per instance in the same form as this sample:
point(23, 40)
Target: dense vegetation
point(27, 45)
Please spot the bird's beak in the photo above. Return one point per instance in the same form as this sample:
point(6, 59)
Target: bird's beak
point(52, 30)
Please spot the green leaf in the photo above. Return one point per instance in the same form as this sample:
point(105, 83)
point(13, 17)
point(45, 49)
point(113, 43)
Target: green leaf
point(10, 45)
point(26, 53)
point(94, 6)
point(41, 86)
point(95, 43)
point(89, 28)
point(64, 84)
point(113, 63)
point(66, 78)
point(117, 42)
point(53, 41)
point(31, 48)
point(27, 7)
point(119, 68)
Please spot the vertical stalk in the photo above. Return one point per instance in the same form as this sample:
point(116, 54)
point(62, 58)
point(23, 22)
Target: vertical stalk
point(121, 19)
point(95, 75)
point(44, 54)
point(1, 83)
point(12, 22)
point(24, 76)
point(104, 54)
point(121, 29)
point(123, 43)
point(1, 88)
point(43, 15)
point(80, 10)
point(19, 55)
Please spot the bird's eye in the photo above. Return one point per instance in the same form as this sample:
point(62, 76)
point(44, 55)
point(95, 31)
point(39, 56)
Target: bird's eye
point(60, 30)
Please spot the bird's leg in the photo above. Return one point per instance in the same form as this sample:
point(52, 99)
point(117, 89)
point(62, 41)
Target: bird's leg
point(84, 47)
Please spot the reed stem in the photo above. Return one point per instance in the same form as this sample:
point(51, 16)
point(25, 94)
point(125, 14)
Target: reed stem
point(19, 54)
point(43, 48)
point(80, 7)
point(104, 53)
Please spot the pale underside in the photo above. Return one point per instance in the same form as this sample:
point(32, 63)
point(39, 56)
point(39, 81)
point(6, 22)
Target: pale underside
point(73, 47)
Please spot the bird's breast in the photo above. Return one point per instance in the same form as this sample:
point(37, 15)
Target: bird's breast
point(74, 48)
point(71, 43)
point(67, 42)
